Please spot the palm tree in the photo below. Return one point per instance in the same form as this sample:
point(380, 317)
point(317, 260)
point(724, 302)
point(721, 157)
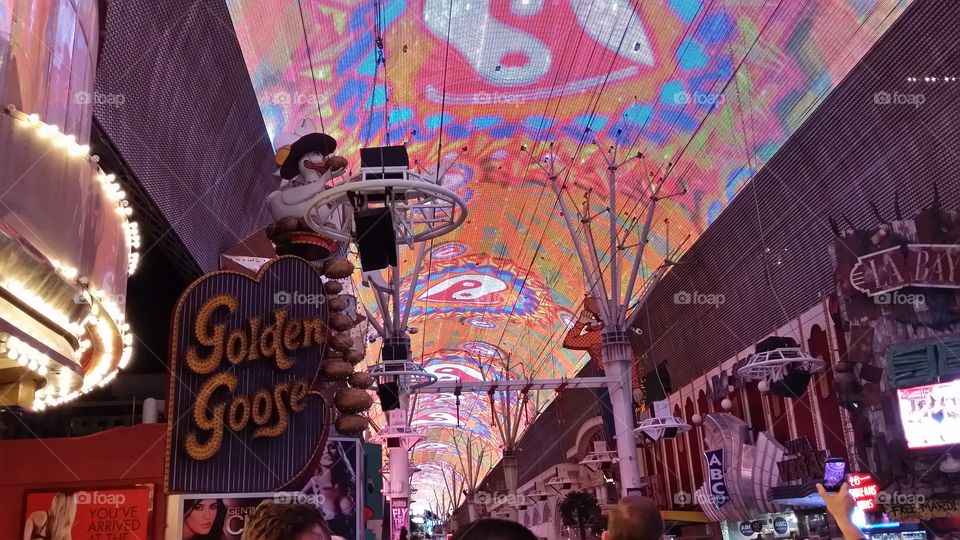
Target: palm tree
point(580, 508)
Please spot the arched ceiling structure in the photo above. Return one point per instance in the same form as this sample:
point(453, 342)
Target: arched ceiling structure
point(716, 86)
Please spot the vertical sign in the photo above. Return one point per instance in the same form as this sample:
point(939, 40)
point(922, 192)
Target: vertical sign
point(718, 488)
point(864, 490)
point(400, 514)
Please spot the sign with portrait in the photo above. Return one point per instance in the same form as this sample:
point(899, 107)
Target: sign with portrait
point(335, 487)
point(93, 513)
point(244, 408)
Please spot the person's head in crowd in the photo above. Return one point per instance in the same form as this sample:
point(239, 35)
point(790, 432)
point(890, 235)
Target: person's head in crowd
point(276, 521)
point(494, 529)
point(634, 518)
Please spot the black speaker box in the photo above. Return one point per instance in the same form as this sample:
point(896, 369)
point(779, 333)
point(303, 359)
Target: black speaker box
point(375, 239)
point(389, 394)
point(395, 352)
point(871, 373)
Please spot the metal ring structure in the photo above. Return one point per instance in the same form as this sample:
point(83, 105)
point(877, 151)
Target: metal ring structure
point(599, 458)
point(419, 377)
point(772, 365)
point(656, 426)
point(421, 209)
point(397, 432)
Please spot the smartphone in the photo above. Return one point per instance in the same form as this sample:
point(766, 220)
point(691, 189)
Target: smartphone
point(834, 474)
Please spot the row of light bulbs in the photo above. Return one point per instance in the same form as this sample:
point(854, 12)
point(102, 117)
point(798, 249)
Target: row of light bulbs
point(25, 355)
point(104, 309)
point(111, 187)
point(931, 79)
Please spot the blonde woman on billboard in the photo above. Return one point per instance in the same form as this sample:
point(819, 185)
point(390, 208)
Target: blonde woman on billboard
point(55, 523)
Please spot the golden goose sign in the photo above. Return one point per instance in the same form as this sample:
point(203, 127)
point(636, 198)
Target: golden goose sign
point(244, 414)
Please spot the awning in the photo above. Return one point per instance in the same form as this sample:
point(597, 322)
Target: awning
point(686, 516)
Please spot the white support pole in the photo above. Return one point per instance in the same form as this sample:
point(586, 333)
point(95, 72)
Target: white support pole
point(404, 321)
point(564, 211)
point(617, 318)
point(618, 361)
point(602, 302)
point(644, 236)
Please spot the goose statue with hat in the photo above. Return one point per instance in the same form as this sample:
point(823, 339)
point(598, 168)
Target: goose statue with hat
point(307, 167)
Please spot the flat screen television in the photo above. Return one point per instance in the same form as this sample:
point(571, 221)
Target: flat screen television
point(930, 414)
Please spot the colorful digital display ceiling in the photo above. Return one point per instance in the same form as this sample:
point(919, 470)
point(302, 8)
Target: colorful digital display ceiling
point(716, 86)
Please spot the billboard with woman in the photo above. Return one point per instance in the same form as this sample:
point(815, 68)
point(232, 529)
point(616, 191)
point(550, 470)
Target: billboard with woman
point(88, 513)
point(334, 488)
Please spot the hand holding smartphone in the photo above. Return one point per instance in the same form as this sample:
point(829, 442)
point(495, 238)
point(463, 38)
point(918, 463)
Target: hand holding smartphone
point(834, 474)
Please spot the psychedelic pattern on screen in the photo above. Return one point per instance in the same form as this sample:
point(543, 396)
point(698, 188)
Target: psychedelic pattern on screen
point(715, 87)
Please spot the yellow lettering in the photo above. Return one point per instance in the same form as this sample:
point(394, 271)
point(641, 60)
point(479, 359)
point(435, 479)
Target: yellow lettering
point(298, 396)
point(281, 424)
point(209, 418)
point(313, 332)
point(236, 346)
point(206, 337)
point(262, 407)
point(239, 413)
point(254, 323)
point(271, 341)
point(291, 334)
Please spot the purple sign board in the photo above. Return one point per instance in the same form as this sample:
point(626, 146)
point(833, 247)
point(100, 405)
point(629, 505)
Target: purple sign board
point(244, 414)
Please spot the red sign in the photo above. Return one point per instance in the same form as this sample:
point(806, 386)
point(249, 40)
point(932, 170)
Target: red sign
point(100, 514)
point(863, 489)
point(917, 265)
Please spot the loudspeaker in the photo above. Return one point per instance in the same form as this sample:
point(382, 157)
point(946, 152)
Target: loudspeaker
point(871, 373)
point(389, 394)
point(793, 385)
point(670, 432)
point(375, 239)
point(384, 156)
point(395, 352)
point(372, 159)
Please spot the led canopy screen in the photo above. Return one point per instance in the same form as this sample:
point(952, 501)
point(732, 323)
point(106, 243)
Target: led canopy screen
point(715, 87)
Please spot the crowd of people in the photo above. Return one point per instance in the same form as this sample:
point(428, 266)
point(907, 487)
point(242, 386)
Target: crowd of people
point(633, 518)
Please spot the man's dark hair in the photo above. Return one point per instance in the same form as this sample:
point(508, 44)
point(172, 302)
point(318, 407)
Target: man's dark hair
point(494, 529)
point(635, 518)
point(278, 521)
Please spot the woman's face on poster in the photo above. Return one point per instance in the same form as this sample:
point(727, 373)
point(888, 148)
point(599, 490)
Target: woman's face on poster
point(201, 517)
point(329, 456)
